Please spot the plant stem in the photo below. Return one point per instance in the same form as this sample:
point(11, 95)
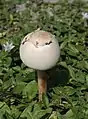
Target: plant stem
point(42, 83)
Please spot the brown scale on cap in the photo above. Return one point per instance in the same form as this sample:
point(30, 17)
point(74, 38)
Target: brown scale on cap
point(42, 38)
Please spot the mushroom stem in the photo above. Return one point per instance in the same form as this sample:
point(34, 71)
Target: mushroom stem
point(42, 83)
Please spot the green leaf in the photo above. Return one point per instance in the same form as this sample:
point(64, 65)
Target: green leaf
point(69, 115)
point(4, 110)
point(2, 104)
point(1, 82)
point(38, 113)
point(27, 112)
point(73, 48)
point(45, 100)
point(63, 64)
point(63, 44)
point(18, 89)
point(30, 90)
point(80, 77)
point(82, 64)
point(86, 64)
point(8, 83)
point(55, 115)
point(87, 79)
point(72, 73)
point(15, 112)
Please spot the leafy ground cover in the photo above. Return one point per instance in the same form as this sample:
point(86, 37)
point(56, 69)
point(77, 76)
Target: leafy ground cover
point(68, 21)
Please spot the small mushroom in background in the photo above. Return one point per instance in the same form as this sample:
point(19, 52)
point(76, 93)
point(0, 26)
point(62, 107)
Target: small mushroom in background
point(40, 50)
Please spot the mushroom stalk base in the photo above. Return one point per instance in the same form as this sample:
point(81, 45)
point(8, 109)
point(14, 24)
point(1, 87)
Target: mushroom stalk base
point(42, 83)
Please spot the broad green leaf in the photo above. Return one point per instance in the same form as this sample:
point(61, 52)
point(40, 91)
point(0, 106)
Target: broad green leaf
point(18, 89)
point(2, 104)
point(1, 82)
point(63, 44)
point(69, 115)
point(71, 53)
point(63, 64)
point(30, 90)
point(87, 79)
point(69, 90)
point(86, 64)
point(4, 109)
point(72, 73)
point(40, 113)
point(82, 64)
point(27, 112)
point(15, 112)
point(80, 76)
point(7, 84)
point(45, 100)
point(55, 115)
point(73, 48)
point(16, 68)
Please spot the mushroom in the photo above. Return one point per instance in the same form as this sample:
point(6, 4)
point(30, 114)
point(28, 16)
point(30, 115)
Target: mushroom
point(40, 50)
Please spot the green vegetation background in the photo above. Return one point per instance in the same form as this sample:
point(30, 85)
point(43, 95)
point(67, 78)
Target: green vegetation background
point(18, 88)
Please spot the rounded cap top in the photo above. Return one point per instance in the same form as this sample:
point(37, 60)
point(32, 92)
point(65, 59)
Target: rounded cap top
point(39, 50)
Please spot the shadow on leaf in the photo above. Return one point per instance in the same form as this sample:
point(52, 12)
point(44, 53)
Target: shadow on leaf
point(57, 76)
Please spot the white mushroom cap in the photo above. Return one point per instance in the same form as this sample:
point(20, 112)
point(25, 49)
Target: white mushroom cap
point(39, 50)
